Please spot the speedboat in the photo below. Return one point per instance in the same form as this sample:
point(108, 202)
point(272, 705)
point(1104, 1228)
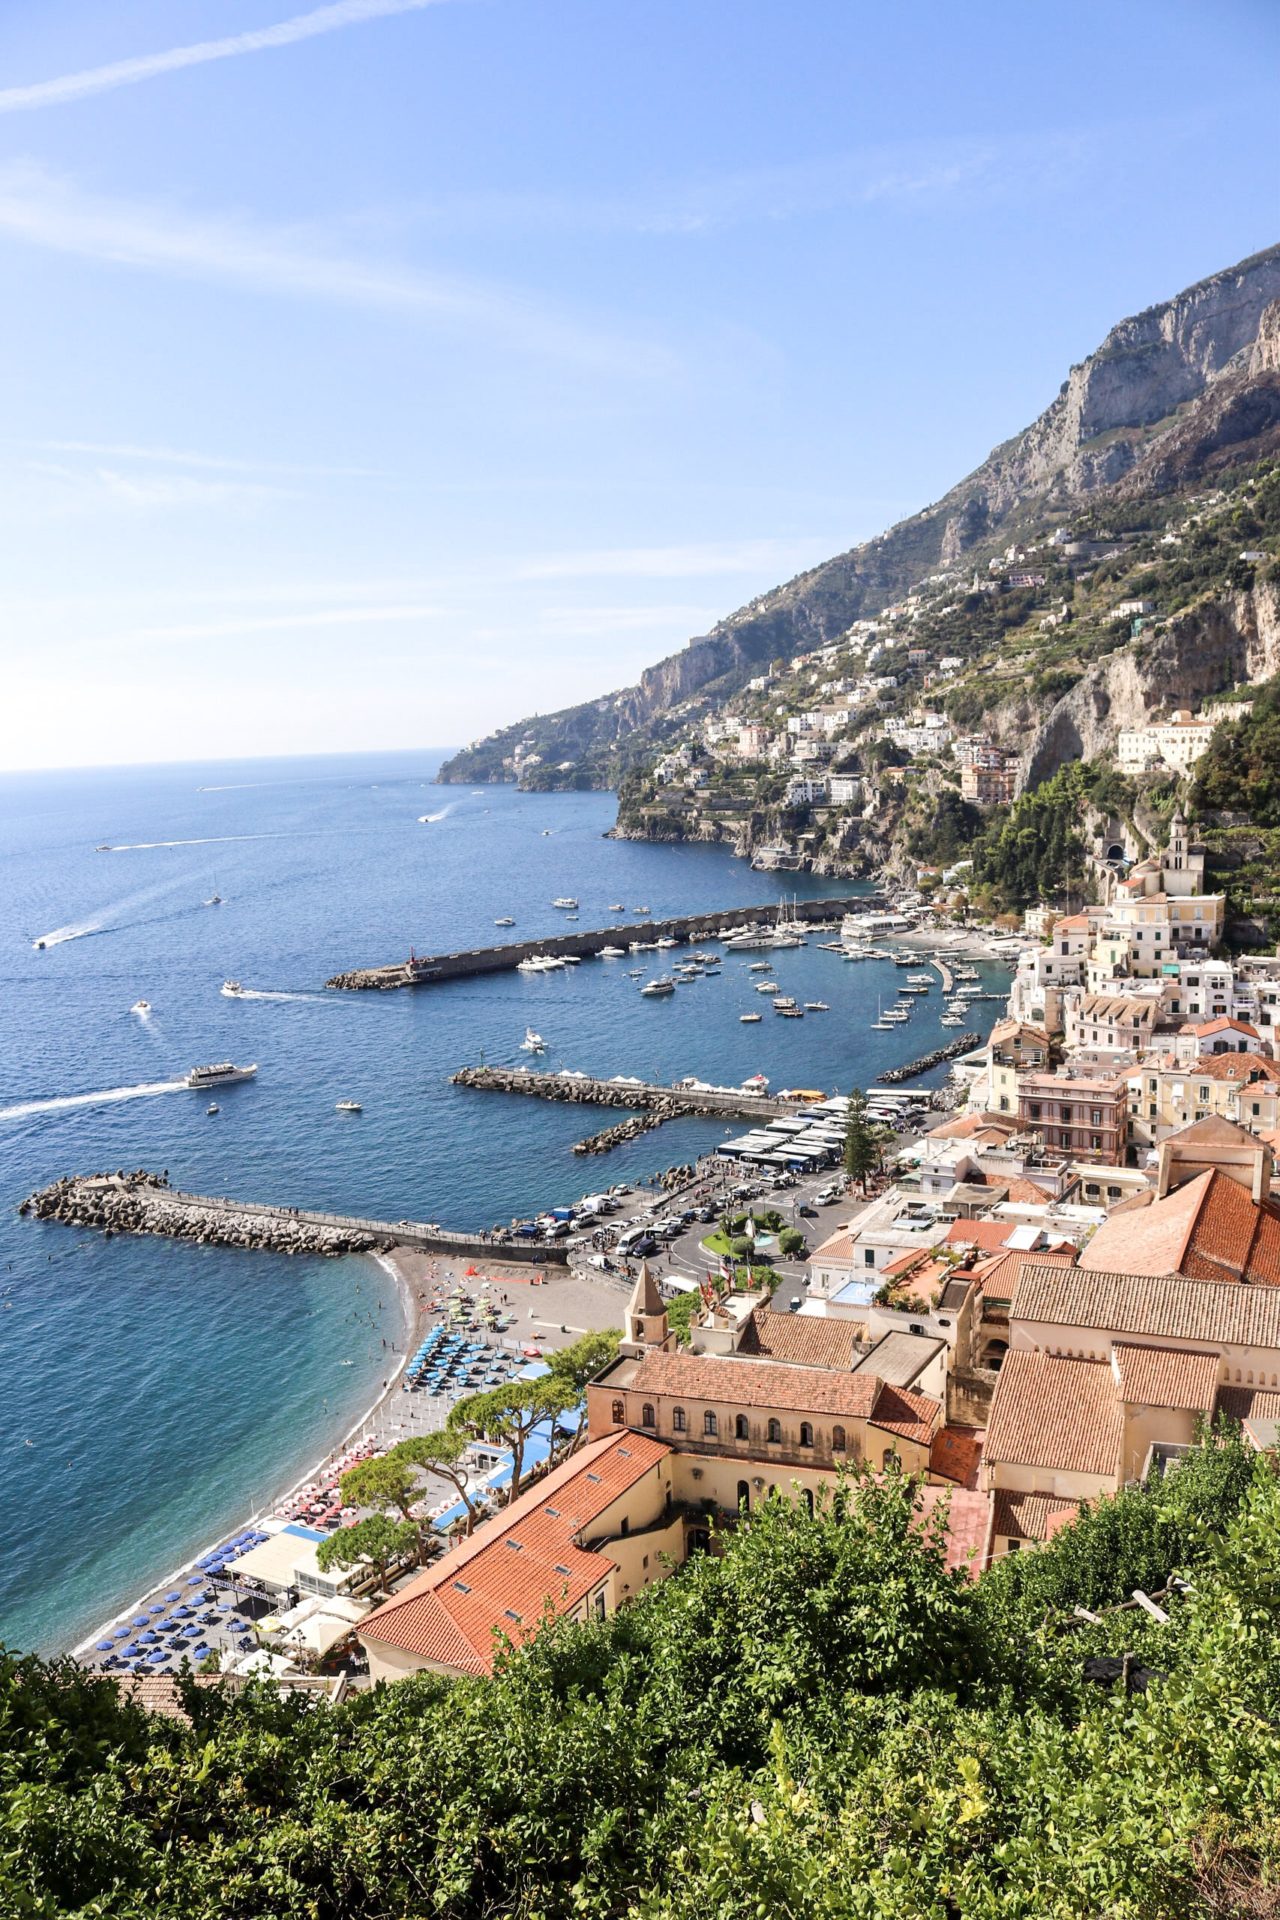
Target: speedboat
point(565, 901)
point(662, 985)
point(613, 953)
point(760, 966)
point(951, 1020)
point(532, 1042)
point(232, 989)
point(220, 1075)
point(616, 906)
point(347, 1106)
point(213, 1107)
point(103, 846)
point(140, 1006)
point(756, 1083)
point(639, 909)
point(767, 986)
point(214, 900)
point(816, 1006)
point(506, 921)
point(784, 1004)
point(750, 1019)
point(665, 940)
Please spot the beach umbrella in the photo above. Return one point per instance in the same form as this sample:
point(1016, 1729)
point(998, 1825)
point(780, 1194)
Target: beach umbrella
point(158, 1608)
point(106, 1646)
point(143, 1620)
point(195, 1580)
point(131, 1652)
point(201, 1652)
point(122, 1633)
point(171, 1597)
point(228, 1604)
point(149, 1637)
point(158, 1657)
point(193, 1630)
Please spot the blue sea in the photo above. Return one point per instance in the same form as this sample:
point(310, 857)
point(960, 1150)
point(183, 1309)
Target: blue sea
point(152, 1394)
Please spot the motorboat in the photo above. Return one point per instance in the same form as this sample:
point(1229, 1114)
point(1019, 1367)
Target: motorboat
point(784, 1004)
point(613, 953)
point(760, 966)
point(816, 1006)
point(232, 990)
point(506, 921)
point(756, 1083)
point(883, 1026)
point(768, 986)
point(347, 1106)
point(532, 1042)
point(639, 909)
point(214, 900)
point(571, 959)
point(751, 1019)
point(104, 846)
point(565, 901)
point(653, 989)
point(140, 1006)
point(213, 1107)
point(220, 1075)
point(789, 1013)
point(616, 906)
point(950, 1020)
point(665, 940)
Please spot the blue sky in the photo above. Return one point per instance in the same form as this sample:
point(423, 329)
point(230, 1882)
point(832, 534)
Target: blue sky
point(376, 373)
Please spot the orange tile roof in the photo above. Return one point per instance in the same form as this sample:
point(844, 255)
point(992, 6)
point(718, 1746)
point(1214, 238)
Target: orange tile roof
point(968, 1525)
point(1166, 1377)
point(1052, 1412)
point(1248, 1403)
point(987, 1235)
point(1030, 1516)
point(755, 1383)
point(1232, 1066)
point(1159, 1306)
point(997, 1276)
point(965, 1125)
point(1210, 1228)
point(1220, 1025)
point(514, 1566)
point(912, 1416)
point(799, 1340)
point(956, 1454)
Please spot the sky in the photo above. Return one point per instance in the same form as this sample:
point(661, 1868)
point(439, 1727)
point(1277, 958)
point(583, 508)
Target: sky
point(377, 373)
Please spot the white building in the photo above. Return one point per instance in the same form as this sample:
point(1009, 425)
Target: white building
point(1176, 743)
point(846, 790)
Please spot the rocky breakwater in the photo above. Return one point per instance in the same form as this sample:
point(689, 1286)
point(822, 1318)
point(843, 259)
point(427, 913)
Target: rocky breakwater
point(143, 1202)
point(617, 1136)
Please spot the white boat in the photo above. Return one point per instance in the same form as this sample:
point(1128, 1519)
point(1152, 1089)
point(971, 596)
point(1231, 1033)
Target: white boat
point(756, 1083)
point(220, 1075)
point(883, 1026)
point(665, 940)
point(951, 1020)
point(213, 1107)
point(748, 940)
point(767, 986)
point(571, 960)
point(532, 1042)
point(214, 900)
point(506, 921)
point(639, 909)
point(613, 953)
point(616, 906)
point(232, 989)
point(565, 901)
point(347, 1106)
point(816, 1006)
point(662, 985)
point(750, 1019)
point(140, 1006)
point(784, 1004)
point(760, 966)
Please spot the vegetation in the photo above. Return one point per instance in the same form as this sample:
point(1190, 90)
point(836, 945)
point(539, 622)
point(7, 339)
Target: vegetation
point(862, 1152)
point(819, 1723)
point(1239, 771)
point(1034, 851)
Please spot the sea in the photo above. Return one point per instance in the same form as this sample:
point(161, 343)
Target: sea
point(154, 1394)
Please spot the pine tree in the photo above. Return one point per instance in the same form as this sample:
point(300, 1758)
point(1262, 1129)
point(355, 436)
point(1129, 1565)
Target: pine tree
point(861, 1148)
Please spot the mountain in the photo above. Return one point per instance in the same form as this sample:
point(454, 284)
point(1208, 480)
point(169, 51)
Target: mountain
point(1170, 396)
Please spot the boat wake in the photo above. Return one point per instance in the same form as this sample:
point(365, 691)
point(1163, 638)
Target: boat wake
point(59, 1102)
point(208, 840)
point(60, 935)
point(107, 919)
point(265, 993)
point(429, 819)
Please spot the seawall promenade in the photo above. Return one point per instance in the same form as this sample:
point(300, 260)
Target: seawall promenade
point(640, 1096)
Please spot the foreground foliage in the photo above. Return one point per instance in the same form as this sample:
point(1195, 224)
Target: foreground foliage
point(823, 1722)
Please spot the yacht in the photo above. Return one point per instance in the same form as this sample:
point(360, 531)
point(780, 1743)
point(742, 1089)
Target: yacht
point(347, 1106)
point(665, 940)
point(748, 939)
point(566, 902)
point(950, 1020)
point(140, 1006)
point(662, 985)
point(760, 966)
point(756, 1083)
point(789, 1013)
point(213, 1107)
point(532, 1042)
point(767, 986)
point(750, 1019)
point(816, 1006)
point(220, 1075)
point(613, 953)
point(880, 1024)
point(506, 921)
point(232, 989)
point(784, 1004)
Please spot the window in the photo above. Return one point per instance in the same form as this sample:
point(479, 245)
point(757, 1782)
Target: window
point(646, 1415)
point(741, 1428)
point(889, 1457)
point(600, 1605)
point(744, 1497)
point(710, 1426)
point(677, 1420)
point(806, 1434)
point(774, 1433)
point(1095, 1142)
point(619, 1414)
point(868, 1256)
point(837, 1440)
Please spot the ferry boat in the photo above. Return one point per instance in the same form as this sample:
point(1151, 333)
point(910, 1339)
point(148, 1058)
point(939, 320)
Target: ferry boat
point(140, 1006)
point(220, 1075)
point(566, 902)
point(750, 1019)
point(756, 1083)
point(232, 990)
point(347, 1106)
point(532, 1042)
point(662, 985)
point(506, 921)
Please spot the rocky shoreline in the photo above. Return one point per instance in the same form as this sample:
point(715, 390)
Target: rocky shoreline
point(143, 1202)
point(617, 1136)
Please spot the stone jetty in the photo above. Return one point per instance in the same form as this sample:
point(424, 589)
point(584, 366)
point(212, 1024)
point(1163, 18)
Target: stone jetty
point(963, 1043)
point(625, 1130)
point(669, 1103)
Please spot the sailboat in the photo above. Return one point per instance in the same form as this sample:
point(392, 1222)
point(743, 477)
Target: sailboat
point(880, 1024)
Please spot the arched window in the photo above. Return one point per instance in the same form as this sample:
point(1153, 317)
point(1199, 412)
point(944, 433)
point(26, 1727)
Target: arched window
point(677, 1419)
point(709, 1425)
point(808, 1500)
point(744, 1497)
point(806, 1434)
point(619, 1413)
point(837, 1440)
point(741, 1427)
point(646, 1415)
point(774, 1431)
point(890, 1455)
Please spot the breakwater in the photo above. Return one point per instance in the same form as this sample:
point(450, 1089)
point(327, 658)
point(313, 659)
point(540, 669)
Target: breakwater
point(963, 1043)
point(144, 1202)
point(617, 1136)
point(668, 1103)
point(425, 970)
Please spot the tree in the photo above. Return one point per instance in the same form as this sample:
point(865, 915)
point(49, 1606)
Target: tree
point(861, 1145)
point(442, 1453)
point(508, 1415)
point(790, 1241)
point(378, 1539)
point(575, 1365)
point(384, 1482)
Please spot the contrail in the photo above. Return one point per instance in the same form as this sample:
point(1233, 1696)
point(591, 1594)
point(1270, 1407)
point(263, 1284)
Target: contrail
point(147, 66)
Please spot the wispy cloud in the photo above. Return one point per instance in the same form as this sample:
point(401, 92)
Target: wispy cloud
point(150, 488)
point(694, 561)
point(68, 87)
point(45, 211)
point(289, 622)
point(208, 462)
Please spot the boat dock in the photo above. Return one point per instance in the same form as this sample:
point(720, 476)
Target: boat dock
point(426, 970)
point(944, 970)
point(669, 1103)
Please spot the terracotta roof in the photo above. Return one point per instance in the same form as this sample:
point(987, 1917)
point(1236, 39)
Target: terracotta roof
point(799, 1340)
point(755, 1383)
point(998, 1276)
point(514, 1566)
point(987, 1235)
point(1221, 1025)
point(968, 1525)
point(1157, 1306)
point(1165, 1377)
point(1028, 1516)
point(965, 1125)
point(1231, 1066)
point(1248, 1403)
point(912, 1416)
point(837, 1246)
point(956, 1454)
point(1056, 1413)
point(1116, 1006)
point(1210, 1228)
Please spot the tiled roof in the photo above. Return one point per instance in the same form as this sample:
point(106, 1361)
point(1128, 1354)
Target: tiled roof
point(956, 1454)
point(1155, 1306)
point(1166, 1377)
point(966, 1125)
point(987, 1235)
point(756, 1383)
point(1231, 1066)
point(799, 1340)
point(1027, 1516)
point(836, 1247)
point(1210, 1228)
point(899, 1358)
point(968, 1525)
point(517, 1563)
point(998, 1275)
point(1117, 1006)
point(912, 1416)
point(1248, 1403)
point(1147, 1239)
point(1056, 1413)
point(1222, 1024)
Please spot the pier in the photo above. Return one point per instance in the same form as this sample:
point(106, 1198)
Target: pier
point(143, 1202)
point(426, 970)
point(668, 1103)
point(944, 972)
point(963, 1043)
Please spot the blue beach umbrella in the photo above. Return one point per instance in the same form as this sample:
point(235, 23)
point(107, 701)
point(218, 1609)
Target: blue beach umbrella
point(148, 1638)
point(192, 1632)
point(131, 1652)
point(201, 1652)
point(142, 1620)
point(227, 1604)
point(106, 1646)
point(171, 1597)
point(158, 1608)
point(122, 1633)
point(158, 1658)
point(194, 1580)
point(182, 1613)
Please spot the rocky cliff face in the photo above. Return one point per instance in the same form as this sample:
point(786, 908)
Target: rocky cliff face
point(1212, 351)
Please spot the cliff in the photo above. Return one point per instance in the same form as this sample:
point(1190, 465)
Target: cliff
point(1171, 392)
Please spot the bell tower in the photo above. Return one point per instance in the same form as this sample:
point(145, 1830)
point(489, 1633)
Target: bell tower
point(646, 1328)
